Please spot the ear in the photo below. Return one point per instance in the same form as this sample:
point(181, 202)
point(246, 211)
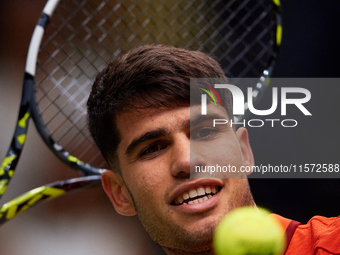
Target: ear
point(116, 190)
point(247, 153)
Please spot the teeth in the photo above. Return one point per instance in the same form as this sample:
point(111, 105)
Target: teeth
point(200, 191)
point(192, 193)
point(186, 196)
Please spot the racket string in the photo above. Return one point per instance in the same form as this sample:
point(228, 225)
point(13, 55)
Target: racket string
point(85, 35)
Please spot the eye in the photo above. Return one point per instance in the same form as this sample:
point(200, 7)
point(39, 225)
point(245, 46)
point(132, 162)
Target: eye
point(204, 133)
point(153, 149)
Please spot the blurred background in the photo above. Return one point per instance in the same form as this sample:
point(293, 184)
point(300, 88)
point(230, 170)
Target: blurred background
point(86, 223)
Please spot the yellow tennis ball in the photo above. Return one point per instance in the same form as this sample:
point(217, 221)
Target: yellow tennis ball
point(249, 231)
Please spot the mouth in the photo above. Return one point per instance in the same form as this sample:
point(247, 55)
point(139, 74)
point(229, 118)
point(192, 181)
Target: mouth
point(196, 195)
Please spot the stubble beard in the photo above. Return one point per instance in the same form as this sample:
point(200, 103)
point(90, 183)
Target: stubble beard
point(177, 240)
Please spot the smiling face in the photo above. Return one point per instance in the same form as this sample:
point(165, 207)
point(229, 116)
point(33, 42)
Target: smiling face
point(158, 148)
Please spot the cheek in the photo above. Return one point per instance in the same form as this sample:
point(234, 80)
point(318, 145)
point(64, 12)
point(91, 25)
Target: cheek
point(230, 153)
point(221, 151)
point(148, 180)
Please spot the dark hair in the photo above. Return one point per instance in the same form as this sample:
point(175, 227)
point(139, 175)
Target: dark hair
point(149, 76)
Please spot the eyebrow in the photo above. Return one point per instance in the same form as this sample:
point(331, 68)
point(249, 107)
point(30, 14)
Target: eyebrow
point(201, 118)
point(145, 137)
point(163, 132)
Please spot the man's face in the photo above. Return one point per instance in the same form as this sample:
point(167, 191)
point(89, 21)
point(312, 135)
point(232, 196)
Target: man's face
point(157, 150)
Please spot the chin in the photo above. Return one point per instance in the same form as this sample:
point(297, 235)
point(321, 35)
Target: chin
point(202, 231)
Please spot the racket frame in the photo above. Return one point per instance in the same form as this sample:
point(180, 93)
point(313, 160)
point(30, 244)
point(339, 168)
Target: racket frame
point(29, 109)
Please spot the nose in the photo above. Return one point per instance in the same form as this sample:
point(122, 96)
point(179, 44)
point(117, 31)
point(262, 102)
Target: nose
point(184, 158)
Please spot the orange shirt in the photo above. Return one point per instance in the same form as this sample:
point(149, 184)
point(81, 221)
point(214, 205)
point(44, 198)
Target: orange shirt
point(320, 236)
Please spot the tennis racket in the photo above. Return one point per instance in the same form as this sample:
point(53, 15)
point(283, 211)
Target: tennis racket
point(84, 35)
